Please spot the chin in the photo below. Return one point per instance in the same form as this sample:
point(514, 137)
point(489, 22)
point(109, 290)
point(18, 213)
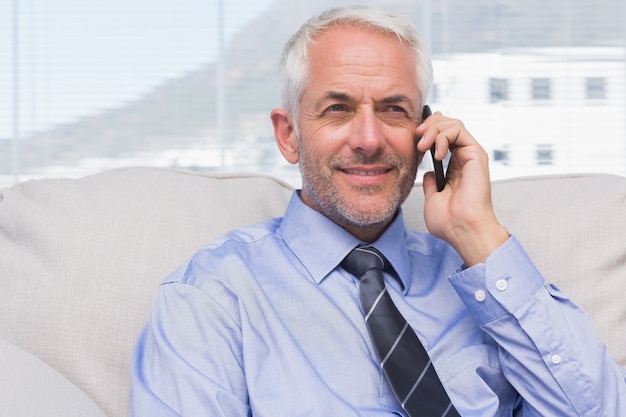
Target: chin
point(368, 213)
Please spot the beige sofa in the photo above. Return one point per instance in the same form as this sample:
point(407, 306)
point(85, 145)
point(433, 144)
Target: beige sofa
point(80, 261)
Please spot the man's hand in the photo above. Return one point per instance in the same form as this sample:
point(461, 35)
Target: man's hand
point(462, 214)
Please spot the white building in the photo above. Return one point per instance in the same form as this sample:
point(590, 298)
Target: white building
point(540, 111)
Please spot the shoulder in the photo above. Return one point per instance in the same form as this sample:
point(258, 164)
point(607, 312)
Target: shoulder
point(233, 253)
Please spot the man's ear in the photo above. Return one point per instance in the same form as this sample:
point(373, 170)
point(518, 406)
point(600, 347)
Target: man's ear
point(285, 135)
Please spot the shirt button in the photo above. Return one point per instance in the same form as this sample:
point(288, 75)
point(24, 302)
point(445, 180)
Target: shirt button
point(556, 359)
point(502, 285)
point(480, 296)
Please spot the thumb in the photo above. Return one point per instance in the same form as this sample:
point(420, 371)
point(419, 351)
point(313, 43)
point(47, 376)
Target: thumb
point(429, 184)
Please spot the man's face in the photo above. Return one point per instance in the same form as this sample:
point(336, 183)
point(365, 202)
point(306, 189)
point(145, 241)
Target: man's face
point(357, 148)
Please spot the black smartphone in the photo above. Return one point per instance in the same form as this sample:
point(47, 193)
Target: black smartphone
point(438, 165)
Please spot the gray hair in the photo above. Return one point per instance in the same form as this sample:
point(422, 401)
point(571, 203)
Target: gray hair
point(294, 66)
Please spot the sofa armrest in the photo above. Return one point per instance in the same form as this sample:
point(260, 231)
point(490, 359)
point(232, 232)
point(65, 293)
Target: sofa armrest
point(31, 388)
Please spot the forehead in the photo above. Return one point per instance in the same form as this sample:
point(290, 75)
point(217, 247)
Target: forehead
point(351, 57)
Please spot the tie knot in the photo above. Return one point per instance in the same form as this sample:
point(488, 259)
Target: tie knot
point(361, 260)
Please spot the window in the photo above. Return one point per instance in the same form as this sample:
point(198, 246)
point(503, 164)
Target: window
point(501, 155)
point(498, 89)
point(544, 154)
point(540, 89)
point(91, 85)
point(596, 88)
point(434, 93)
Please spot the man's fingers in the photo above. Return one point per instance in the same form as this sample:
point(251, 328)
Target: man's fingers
point(446, 133)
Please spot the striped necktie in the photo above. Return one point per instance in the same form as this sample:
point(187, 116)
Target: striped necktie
point(404, 360)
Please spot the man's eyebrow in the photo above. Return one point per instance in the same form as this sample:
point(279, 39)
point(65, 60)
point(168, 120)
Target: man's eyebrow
point(336, 95)
point(399, 98)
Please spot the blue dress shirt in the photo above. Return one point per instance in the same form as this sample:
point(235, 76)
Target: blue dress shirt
point(264, 323)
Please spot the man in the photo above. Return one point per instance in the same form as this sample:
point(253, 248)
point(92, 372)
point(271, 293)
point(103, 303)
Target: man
point(267, 320)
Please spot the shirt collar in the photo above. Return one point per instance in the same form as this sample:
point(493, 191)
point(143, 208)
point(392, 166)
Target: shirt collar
point(320, 244)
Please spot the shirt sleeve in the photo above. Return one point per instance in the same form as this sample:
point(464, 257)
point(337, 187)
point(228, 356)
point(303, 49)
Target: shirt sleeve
point(548, 348)
point(187, 361)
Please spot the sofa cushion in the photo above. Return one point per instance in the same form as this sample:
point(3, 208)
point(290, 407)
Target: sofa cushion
point(81, 260)
point(31, 388)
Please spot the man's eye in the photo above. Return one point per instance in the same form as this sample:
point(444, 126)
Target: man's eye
point(337, 108)
point(395, 109)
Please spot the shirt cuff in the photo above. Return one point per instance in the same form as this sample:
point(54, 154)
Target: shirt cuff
point(502, 285)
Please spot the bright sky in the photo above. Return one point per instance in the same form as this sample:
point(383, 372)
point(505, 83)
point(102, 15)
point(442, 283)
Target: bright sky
point(75, 56)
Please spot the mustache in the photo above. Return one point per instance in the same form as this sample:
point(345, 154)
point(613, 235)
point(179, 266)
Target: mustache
point(378, 158)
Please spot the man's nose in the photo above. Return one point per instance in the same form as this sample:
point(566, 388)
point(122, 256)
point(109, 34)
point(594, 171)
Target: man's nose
point(367, 136)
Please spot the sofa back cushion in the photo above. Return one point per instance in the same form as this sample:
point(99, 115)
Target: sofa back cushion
point(80, 260)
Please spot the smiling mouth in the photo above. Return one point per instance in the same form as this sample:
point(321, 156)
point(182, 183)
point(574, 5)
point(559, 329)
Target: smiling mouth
point(366, 173)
